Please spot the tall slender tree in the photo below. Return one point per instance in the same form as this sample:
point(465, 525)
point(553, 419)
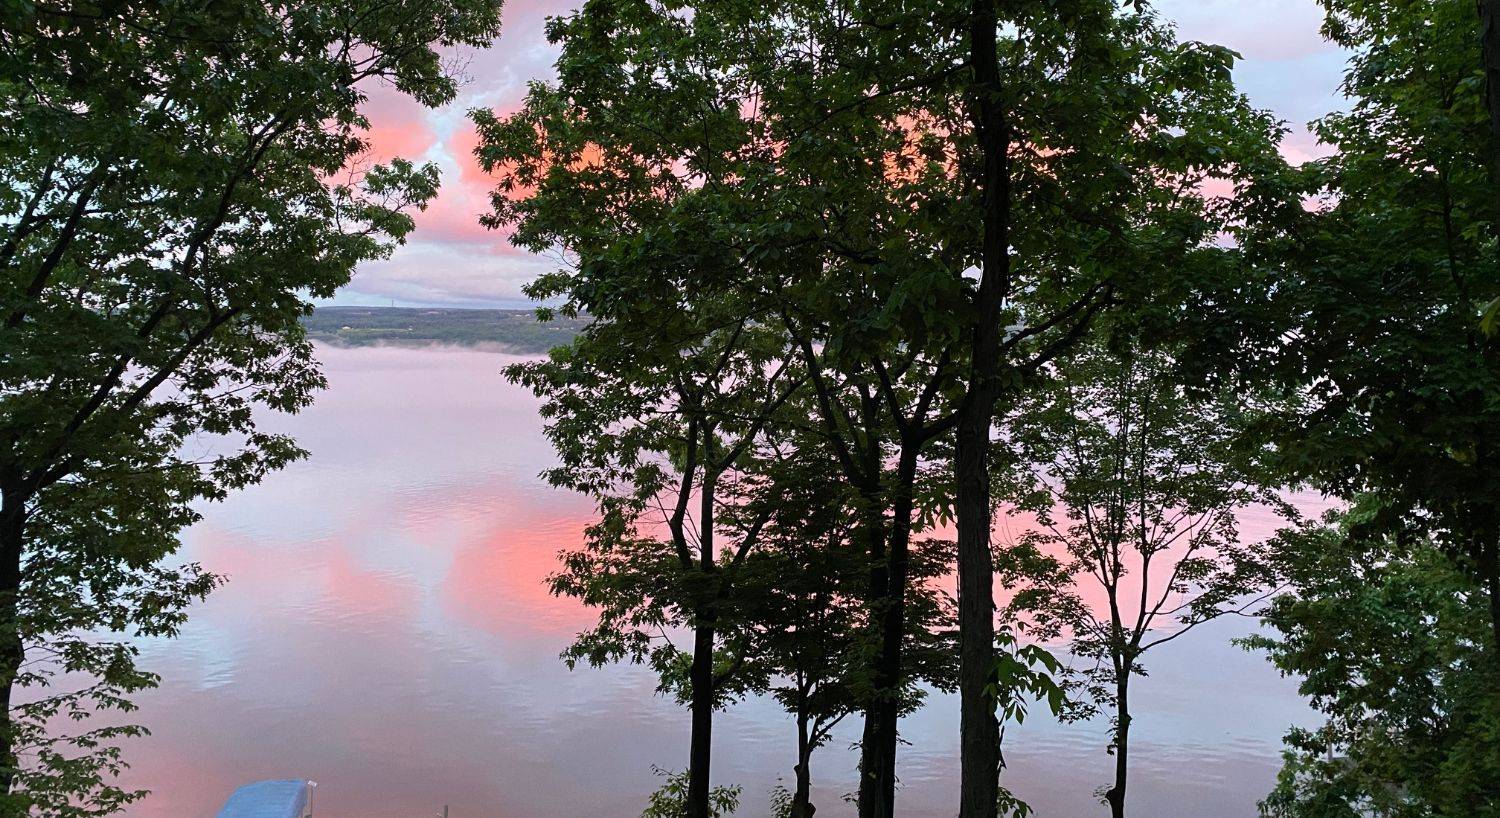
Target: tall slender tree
point(1094, 134)
point(655, 410)
point(809, 604)
point(628, 165)
point(1137, 491)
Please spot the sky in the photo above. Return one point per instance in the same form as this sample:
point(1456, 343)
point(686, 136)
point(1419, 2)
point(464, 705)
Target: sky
point(451, 261)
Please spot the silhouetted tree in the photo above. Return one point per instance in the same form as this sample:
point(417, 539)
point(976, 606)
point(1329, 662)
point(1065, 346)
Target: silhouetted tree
point(1136, 491)
point(654, 417)
point(1094, 132)
point(806, 598)
point(1364, 309)
point(176, 181)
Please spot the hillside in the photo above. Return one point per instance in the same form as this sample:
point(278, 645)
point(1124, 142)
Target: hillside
point(513, 330)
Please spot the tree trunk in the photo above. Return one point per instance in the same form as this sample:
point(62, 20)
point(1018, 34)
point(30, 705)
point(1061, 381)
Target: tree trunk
point(1489, 40)
point(12, 651)
point(883, 719)
point(700, 752)
point(980, 733)
point(802, 799)
point(877, 786)
point(1116, 794)
point(1493, 581)
point(979, 744)
point(701, 676)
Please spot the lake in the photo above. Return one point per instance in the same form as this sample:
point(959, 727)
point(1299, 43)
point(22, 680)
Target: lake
point(386, 633)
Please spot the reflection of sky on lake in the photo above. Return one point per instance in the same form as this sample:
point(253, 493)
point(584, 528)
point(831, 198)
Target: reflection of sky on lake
point(385, 632)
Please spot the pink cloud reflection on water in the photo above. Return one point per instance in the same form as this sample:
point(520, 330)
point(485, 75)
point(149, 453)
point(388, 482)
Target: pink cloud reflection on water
point(385, 631)
point(385, 628)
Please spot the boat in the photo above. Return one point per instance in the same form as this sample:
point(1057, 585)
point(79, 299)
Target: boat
point(280, 798)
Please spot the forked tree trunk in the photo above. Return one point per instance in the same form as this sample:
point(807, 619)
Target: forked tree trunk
point(882, 721)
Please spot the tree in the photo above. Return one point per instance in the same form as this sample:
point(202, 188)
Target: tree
point(1365, 309)
point(593, 168)
point(1136, 491)
point(808, 604)
point(177, 180)
point(1095, 131)
point(1390, 641)
point(878, 398)
point(653, 413)
point(626, 165)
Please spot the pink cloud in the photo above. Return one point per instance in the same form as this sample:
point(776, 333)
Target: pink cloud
point(1301, 145)
point(398, 125)
point(461, 146)
point(454, 217)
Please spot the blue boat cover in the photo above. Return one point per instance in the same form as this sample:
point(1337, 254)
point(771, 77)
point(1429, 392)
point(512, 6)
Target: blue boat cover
point(287, 798)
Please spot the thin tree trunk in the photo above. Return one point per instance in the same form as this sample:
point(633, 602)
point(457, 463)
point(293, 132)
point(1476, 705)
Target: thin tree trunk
point(980, 733)
point(802, 799)
point(876, 792)
point(12, 651)
point(1493, 580)
point(700, 750)
point(888, 668)
point(1116, 794)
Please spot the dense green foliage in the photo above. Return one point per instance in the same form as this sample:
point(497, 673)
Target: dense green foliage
point(1364, 310)
point(1360, 329)
point(176, 179)
point(794, 188)
point(1391, 644)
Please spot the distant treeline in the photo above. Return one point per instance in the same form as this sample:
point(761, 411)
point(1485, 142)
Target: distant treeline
point(516, 330)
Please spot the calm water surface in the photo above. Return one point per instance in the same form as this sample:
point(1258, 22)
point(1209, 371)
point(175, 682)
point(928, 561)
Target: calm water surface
point(385, 632)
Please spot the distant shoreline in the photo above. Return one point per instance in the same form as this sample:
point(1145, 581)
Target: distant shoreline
point(513, 331)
